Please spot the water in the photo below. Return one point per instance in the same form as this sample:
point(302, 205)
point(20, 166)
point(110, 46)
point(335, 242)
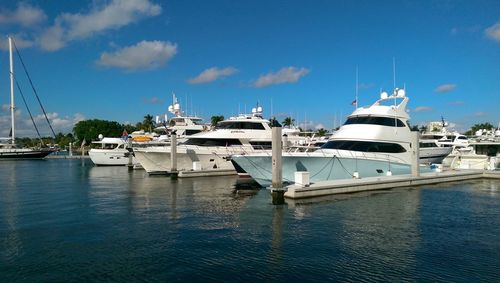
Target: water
point(65, 220)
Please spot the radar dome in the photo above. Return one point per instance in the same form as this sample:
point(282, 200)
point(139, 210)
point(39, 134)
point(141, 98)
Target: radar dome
point(170, 108)
point(401, 93)
point(384, 95)
point(259, 109)
point(177, 106)
point(100, 137)
point(254, 110)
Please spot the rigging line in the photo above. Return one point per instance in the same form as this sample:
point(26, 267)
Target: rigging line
point(33, 87)
point(31, 116)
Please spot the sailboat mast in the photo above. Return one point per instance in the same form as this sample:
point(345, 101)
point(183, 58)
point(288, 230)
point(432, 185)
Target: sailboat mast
point(12, 106)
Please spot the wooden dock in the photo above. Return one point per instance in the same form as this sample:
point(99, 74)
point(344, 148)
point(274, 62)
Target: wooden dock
point(325, 188)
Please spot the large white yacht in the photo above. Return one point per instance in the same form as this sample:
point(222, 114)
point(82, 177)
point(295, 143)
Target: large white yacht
point(432, 152)
point(373, 141)
point(245, 133)
point(181, 124)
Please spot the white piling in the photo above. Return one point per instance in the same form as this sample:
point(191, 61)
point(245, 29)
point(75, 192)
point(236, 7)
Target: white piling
point(70, 149)
point(173, 154)
point(415, 156)
point(277, 180)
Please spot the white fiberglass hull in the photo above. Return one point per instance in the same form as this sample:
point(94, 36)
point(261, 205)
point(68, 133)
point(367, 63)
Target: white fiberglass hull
point(107, 157)
point(430, 155)
point(321, 167)
point(157, 160)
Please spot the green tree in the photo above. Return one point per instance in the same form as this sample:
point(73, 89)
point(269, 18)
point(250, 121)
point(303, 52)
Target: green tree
point(476, 127)
point(89, 130)
point(216, 119)
point(148, 124)
point(322, 132)
point(288, 121)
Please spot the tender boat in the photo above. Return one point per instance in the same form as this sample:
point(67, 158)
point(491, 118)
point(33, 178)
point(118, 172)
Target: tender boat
point(374, 141)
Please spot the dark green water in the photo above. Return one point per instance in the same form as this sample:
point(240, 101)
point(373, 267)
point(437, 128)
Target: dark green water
point(67, 221)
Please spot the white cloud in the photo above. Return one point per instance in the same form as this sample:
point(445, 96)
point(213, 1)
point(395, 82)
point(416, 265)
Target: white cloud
point(24, 125)
point(68, 27)
point(480, 114)
point(153, 100)
point(456, 103)
point(445, 88)
point(20, 42)
point(212, 74)
point(24, 15)
point(145, 55)
point(493, 32)
point(285, 75)
point(422, 109)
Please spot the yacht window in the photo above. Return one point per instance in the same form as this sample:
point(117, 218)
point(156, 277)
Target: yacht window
point(364, 146)
point(261, 145)
point(427, 144)
point(191, 132)
point(487, 149)
point(240, 125)
point(382, 121)
point(462, 138)
point(197, 121)
point(213, 142)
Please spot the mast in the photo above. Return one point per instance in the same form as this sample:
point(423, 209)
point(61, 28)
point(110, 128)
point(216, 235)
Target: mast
point(12, 106)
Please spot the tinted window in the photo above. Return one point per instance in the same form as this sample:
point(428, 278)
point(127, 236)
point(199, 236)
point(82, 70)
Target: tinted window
point(240, 125)
point(365, 146)
point(192, 132)
point(261, 145)
point(382, 121)
point(213, 142)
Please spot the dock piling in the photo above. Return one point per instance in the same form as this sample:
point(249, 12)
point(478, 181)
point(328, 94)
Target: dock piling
point(277, 191)
point(173, 157)
point(415, 146)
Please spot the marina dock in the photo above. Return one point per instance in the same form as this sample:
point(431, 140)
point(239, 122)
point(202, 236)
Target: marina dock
point(325, 188)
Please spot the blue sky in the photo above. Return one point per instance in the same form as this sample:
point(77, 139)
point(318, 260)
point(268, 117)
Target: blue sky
point(120, 60)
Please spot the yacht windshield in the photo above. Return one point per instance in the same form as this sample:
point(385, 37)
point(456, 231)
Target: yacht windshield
point(372, 120)
point(364, 146)
point(213, 142)
point(240, 125)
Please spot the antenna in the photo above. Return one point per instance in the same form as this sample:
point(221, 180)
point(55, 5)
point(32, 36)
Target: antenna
point(394, 72)
point(356, 87)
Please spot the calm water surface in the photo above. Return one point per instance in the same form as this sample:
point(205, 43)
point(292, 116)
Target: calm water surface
point(65, 220)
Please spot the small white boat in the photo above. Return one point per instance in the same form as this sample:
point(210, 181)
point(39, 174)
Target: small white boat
point(112, 152)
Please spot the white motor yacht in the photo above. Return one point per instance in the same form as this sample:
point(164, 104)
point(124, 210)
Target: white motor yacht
point(484, 153)
point(112, 152)
point(374, 141)
point(432, 152)
point(245, 133)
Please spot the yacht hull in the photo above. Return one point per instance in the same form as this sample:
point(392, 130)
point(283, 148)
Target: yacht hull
point(321, 168)
point(103, 157)
point(158, 160)
point(24, 154)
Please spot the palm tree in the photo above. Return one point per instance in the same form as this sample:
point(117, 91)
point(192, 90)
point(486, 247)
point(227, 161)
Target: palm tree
point(288, 122)
point(148, 123)
point(216, 119)
point(322, 132)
